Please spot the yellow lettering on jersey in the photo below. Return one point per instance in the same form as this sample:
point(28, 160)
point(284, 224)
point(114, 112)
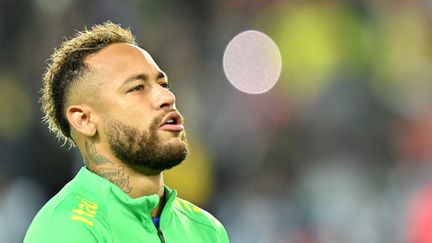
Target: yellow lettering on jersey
point(79, 218)
point(82, 212)
point(186, 205)
point(196, 209)
point(177, 202)
point(86, 211)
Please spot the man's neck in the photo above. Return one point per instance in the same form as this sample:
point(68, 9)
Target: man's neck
point(131, 181)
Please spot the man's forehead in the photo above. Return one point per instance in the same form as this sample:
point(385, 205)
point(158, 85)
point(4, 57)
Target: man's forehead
point(118, 53)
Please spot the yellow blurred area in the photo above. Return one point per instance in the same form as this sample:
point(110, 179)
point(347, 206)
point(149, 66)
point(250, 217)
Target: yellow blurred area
point(15, 108)
point(320, 40)
point(194, 178)
point(315, 41)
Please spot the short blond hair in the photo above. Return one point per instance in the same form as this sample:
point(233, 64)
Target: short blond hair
point(67, 66)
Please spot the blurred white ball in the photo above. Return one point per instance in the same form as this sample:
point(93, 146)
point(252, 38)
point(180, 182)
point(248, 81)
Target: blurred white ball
point(252, 62)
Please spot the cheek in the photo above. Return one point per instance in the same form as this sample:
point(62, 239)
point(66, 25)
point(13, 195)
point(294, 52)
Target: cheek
point(136, 115)
point(144, 123)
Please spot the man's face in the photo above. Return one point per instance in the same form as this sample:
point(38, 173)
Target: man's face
point(138, 117)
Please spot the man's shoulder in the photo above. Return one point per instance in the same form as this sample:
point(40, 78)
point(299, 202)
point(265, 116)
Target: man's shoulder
point(69, 213)
point(72, 203)
point(197, 214)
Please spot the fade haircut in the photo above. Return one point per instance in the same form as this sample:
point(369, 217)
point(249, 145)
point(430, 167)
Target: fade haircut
point(67, 67)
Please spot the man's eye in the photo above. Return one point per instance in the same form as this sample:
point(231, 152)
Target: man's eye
point(165, 85)
point(137, 88)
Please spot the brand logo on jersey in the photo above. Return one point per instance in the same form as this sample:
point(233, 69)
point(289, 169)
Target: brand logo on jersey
point(187, 205)
point(85, 212)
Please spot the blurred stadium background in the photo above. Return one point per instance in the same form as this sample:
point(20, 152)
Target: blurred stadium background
point(339, 151)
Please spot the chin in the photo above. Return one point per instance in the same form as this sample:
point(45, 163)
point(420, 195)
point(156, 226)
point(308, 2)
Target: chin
point(175, 142)
point(178, 141)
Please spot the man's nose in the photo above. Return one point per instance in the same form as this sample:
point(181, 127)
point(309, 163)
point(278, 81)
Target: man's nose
point(164, 99)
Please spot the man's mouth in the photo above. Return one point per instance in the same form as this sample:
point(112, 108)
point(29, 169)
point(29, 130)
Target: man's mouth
point(172, 122)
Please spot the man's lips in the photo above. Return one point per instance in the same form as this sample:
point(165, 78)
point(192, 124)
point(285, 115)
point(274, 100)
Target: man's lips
point(172, 122)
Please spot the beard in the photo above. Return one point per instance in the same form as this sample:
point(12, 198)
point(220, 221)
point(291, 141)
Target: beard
point(143, 150)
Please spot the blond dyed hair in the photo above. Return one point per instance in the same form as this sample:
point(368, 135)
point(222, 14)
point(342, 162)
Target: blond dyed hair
point(67, 67)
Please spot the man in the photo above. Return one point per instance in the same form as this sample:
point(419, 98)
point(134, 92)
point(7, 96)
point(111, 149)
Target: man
point(108, 97)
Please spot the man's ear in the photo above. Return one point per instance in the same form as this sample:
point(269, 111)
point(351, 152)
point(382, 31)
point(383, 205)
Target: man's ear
point(81, 119)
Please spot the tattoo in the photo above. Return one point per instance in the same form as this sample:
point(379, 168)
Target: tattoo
point(114, 173)
point(116, 176)
point(92, 156)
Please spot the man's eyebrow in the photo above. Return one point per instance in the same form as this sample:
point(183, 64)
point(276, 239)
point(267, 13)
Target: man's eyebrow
point(143, 77)
point(161, 75)
point(140, 76)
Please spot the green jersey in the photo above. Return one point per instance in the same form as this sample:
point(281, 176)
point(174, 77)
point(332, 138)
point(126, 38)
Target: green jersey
point(92, 209)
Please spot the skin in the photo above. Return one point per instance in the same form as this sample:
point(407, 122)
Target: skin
point(126, 98)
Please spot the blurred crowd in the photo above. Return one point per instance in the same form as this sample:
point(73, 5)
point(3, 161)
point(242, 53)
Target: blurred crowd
point(339, 151)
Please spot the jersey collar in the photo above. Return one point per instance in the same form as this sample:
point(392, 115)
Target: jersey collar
point(141, 206)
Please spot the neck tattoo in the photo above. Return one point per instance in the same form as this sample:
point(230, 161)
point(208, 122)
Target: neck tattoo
point(105, 168)
point(116, 174)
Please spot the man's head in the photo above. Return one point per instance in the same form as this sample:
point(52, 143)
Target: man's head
point(101, 88)
point(67, 68)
